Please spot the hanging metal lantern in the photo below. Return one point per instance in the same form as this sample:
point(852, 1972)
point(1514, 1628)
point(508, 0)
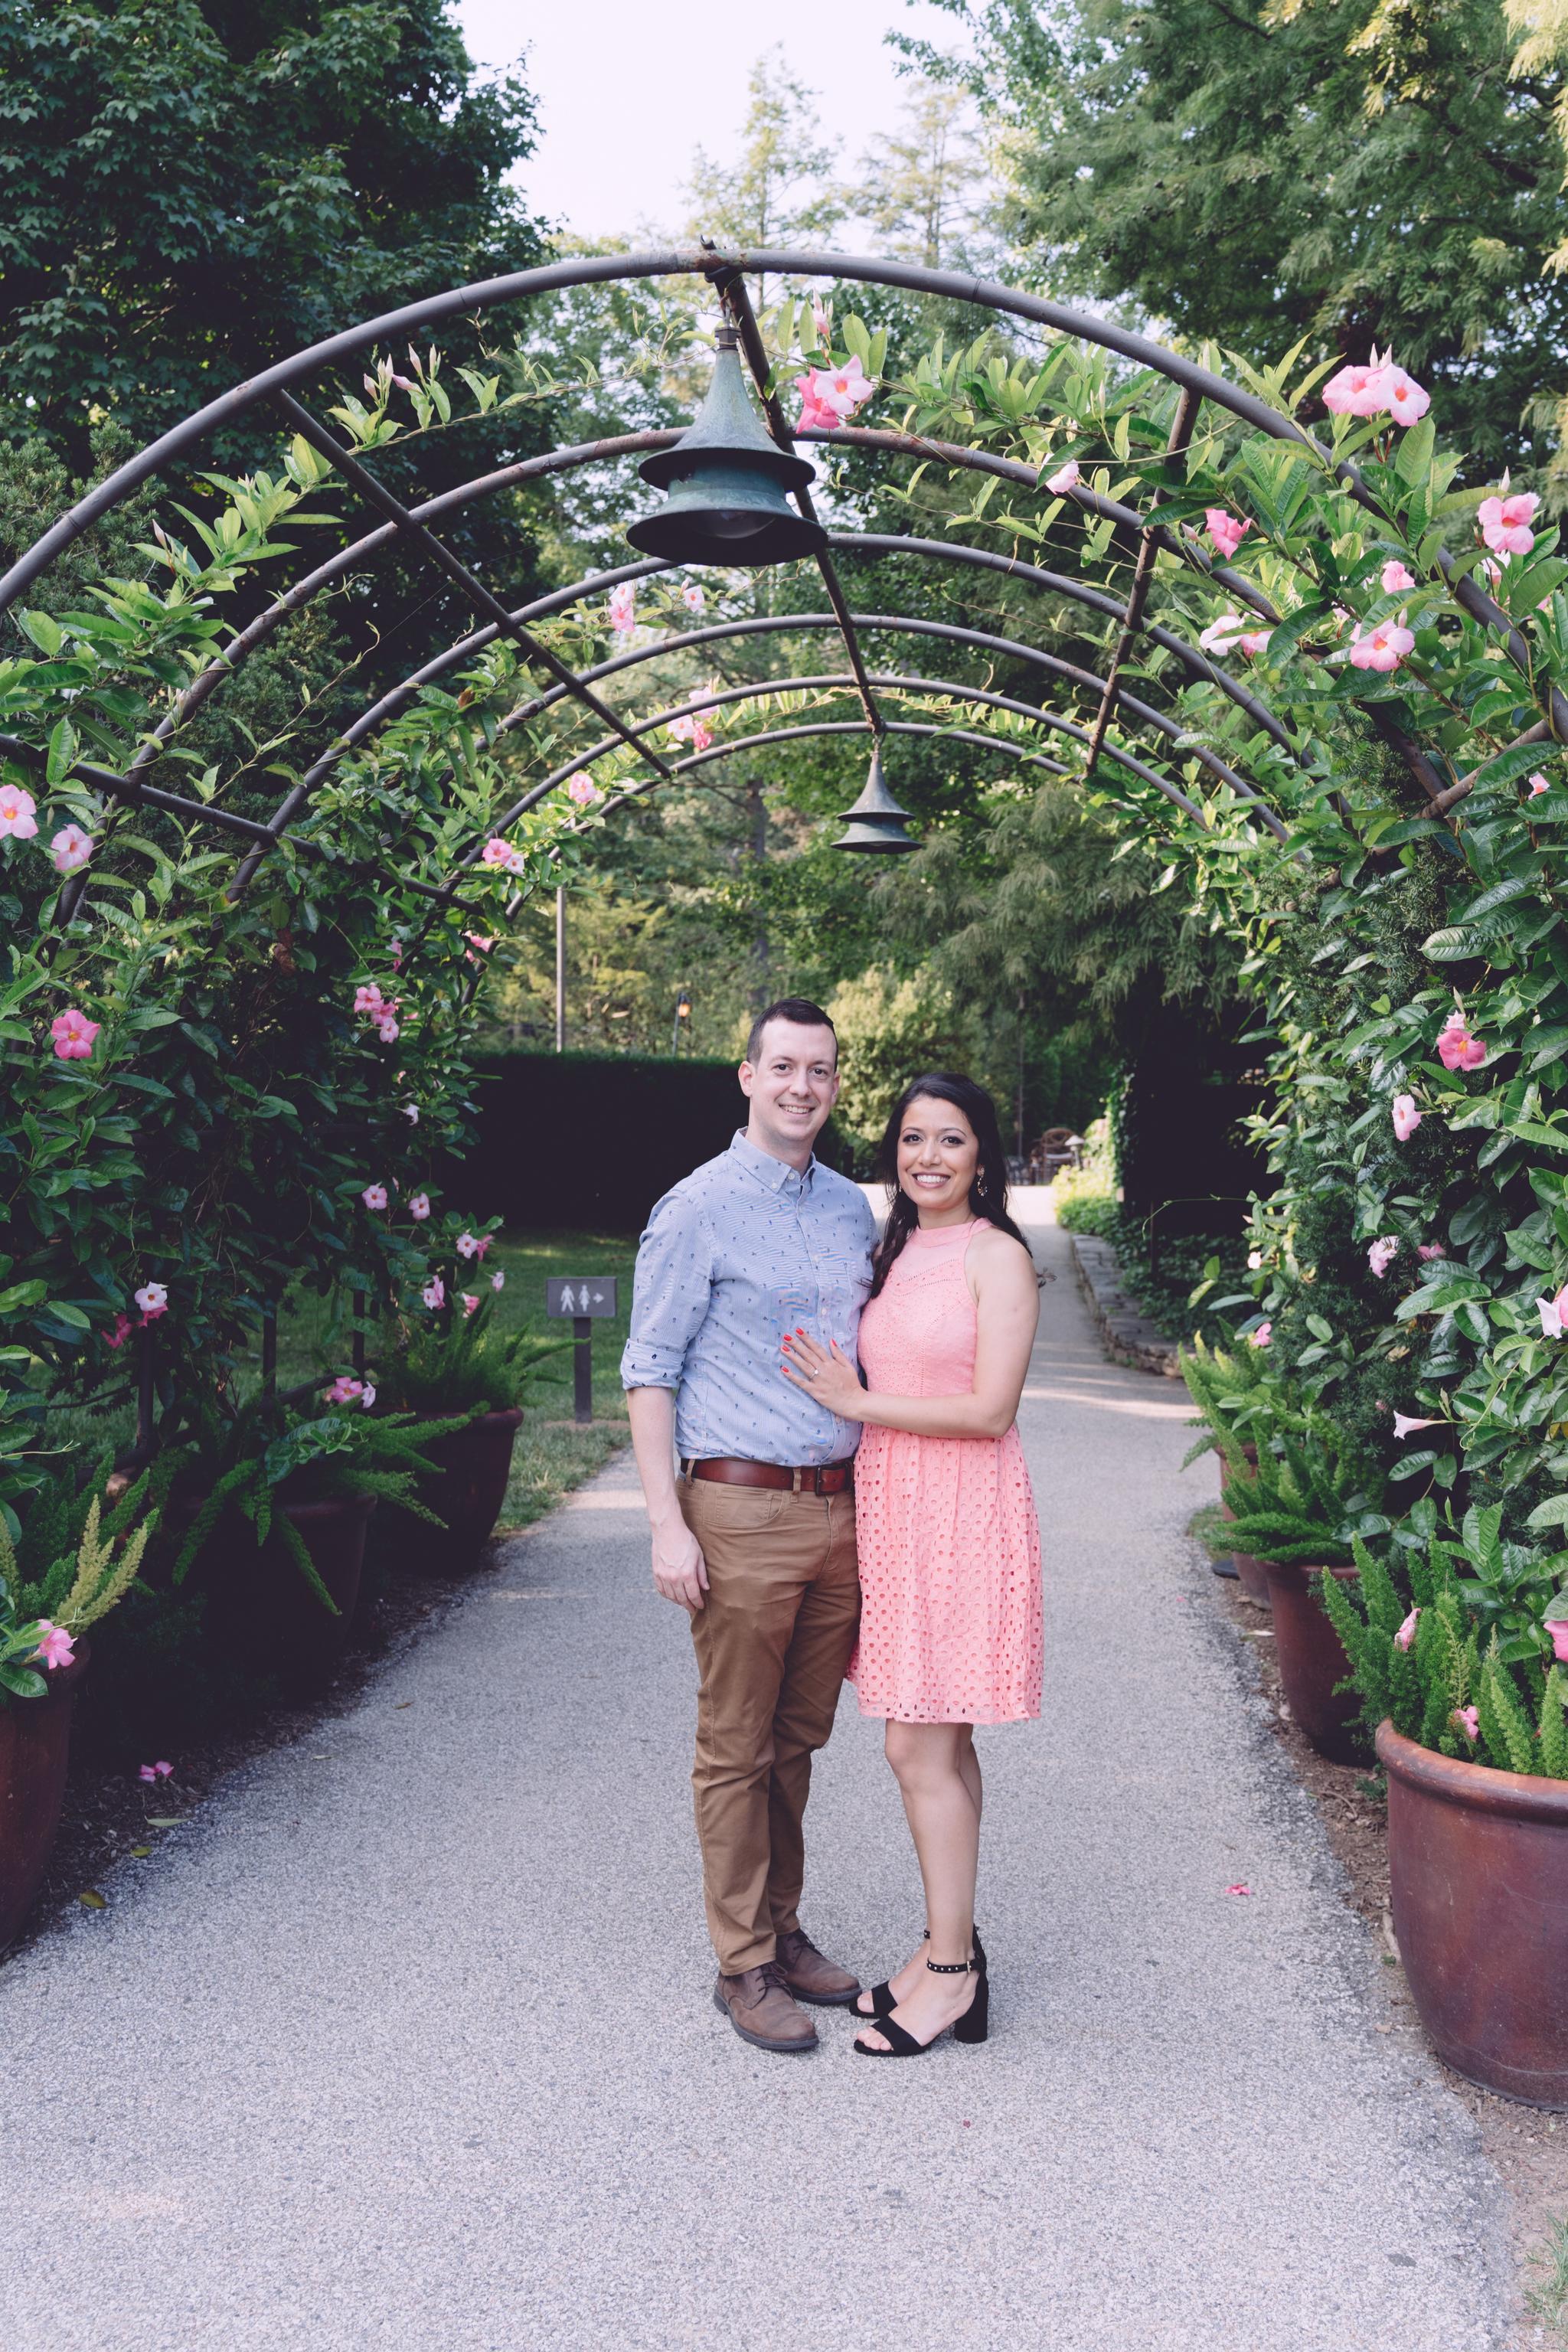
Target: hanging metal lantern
point(728, 482)
point(876, 822)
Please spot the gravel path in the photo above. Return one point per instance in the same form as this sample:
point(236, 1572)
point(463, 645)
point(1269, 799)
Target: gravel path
point(408, 2041)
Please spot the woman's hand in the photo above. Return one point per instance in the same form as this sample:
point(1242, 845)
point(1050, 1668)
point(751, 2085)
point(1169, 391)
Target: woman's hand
point(824, 1373)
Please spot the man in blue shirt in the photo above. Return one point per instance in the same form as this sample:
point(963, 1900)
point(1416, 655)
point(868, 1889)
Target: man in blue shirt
point(755, 1538)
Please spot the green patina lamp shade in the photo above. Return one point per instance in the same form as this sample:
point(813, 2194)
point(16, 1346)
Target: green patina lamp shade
point(876, 822)
point(728, 484)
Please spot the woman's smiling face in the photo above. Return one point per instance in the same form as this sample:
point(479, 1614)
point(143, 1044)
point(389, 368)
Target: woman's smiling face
point(939, 1153)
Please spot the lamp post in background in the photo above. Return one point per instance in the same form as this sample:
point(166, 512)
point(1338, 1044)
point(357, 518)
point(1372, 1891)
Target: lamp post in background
point(559, 968)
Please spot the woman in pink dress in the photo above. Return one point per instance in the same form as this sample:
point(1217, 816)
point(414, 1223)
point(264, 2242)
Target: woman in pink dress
point(950, 1546)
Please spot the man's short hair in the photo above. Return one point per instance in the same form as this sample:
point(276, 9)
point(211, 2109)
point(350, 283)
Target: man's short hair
point(798, 1009)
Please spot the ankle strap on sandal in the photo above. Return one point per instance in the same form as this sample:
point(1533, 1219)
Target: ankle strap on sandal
point(952, 1968)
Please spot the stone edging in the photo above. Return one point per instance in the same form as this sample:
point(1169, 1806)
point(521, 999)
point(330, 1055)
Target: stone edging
point(1126, 1333)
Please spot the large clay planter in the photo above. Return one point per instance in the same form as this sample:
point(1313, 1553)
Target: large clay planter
point(35, 1749)
point(1311, 1661)
point(466, 1493)
point(263, 1603)
point(1251, 1574)
point(1479, 1864)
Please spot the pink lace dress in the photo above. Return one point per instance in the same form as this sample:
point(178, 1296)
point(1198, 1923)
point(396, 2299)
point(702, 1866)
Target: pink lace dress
point(949, 1544)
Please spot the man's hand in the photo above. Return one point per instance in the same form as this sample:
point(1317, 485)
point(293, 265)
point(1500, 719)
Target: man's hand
point(679, 1568)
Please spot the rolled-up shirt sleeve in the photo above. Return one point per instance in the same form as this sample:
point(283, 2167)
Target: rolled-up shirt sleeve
point(670, 1295)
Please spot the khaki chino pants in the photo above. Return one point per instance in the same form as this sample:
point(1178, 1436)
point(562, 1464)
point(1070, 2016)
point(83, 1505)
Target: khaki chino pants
point(772, 1641)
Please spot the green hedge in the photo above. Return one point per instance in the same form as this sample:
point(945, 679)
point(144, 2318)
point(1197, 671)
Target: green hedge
point(592, 1140)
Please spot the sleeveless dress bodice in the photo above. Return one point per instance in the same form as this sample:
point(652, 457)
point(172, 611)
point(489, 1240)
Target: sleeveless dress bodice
point(950, 1625)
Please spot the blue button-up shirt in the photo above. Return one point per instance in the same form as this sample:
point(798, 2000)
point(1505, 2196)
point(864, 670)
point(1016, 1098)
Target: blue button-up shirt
point(740, 1252)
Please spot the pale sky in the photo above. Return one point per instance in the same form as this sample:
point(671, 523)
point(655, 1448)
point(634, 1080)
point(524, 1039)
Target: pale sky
point(628, 88)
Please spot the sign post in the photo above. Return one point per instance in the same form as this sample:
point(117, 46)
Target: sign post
point(587, 1298)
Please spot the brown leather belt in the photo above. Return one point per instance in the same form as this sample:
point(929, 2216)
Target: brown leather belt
point(823, 1478)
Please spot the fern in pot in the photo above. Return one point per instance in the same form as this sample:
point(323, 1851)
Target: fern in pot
point(450, 1358)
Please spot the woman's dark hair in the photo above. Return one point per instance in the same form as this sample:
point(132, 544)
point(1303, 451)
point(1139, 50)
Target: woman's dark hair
point(988, 1192)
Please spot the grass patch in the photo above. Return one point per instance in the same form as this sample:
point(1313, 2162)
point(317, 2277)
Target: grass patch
point(1549, 2300)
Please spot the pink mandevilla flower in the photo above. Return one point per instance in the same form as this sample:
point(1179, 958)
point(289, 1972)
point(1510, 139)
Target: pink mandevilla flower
point(162, 1770)
point(434, 1293)
point(154, 1300)
point(1381, 1255)
point(1505, 522)
point(419, 1206)
point(386, 1029)
point(57, 1647)
point(845, 389)
point(1383, 648)
point(469, 1301)
point(1263, 1336)
point(691, 596)
point(123, 1327)
point(623, 608)
point(815, 416)
point(1356, 391)
point(497, 852)
point(1407, 1118)
point(374, 1196)
point(1456, 1049)
point(1538, 784)
point(1404, 1423)
point(411, 1113)
point(17, 812)
point(71, 849)
point(1395, 577)
point(74, 1036)
point(1428, 1249)
point(1407, 1634)
point(1552, 1313)
point(344, 1389)
point(1558, 1629)
point(1226, 531)
point(467, 1245)
point(583, 791)
point(1467, 1720)
point(368, 998)
point(691, 728)
point(1066, 478)
point(498, 1280)
point(1403, 397)
point(1223, 635)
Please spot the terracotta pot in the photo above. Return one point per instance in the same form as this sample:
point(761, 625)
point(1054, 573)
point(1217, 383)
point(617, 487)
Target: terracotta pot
point(1479, 1864)
point(262, 1602)
point(466, 1492)
point(1311, 1661)
point(35, 1749)
point(1251, 1574)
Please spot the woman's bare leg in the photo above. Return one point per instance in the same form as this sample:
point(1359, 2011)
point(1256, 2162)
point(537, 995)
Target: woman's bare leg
point(969, 1768)
point(941, 1806)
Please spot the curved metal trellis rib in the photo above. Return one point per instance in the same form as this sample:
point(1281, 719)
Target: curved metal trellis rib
point(951, 631)
point(1201, 383)
point(840, 727)
point(590, 269)
point(953, 687)
point(347, 560)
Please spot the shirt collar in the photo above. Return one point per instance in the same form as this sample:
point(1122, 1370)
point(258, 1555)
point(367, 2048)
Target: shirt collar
point(776, 1174)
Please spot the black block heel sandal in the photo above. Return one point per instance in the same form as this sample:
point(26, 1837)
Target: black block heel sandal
point(882, 2001)
point(973, 2026)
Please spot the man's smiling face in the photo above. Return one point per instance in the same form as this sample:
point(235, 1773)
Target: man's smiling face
point(792, 1085)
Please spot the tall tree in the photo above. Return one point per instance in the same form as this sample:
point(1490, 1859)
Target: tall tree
point(195, 187)
point(780, 189)
point(920, 186)
point(1355, 172)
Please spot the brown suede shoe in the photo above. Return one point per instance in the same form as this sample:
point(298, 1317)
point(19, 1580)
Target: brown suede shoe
point(761, 2011)
point(812, 1977)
